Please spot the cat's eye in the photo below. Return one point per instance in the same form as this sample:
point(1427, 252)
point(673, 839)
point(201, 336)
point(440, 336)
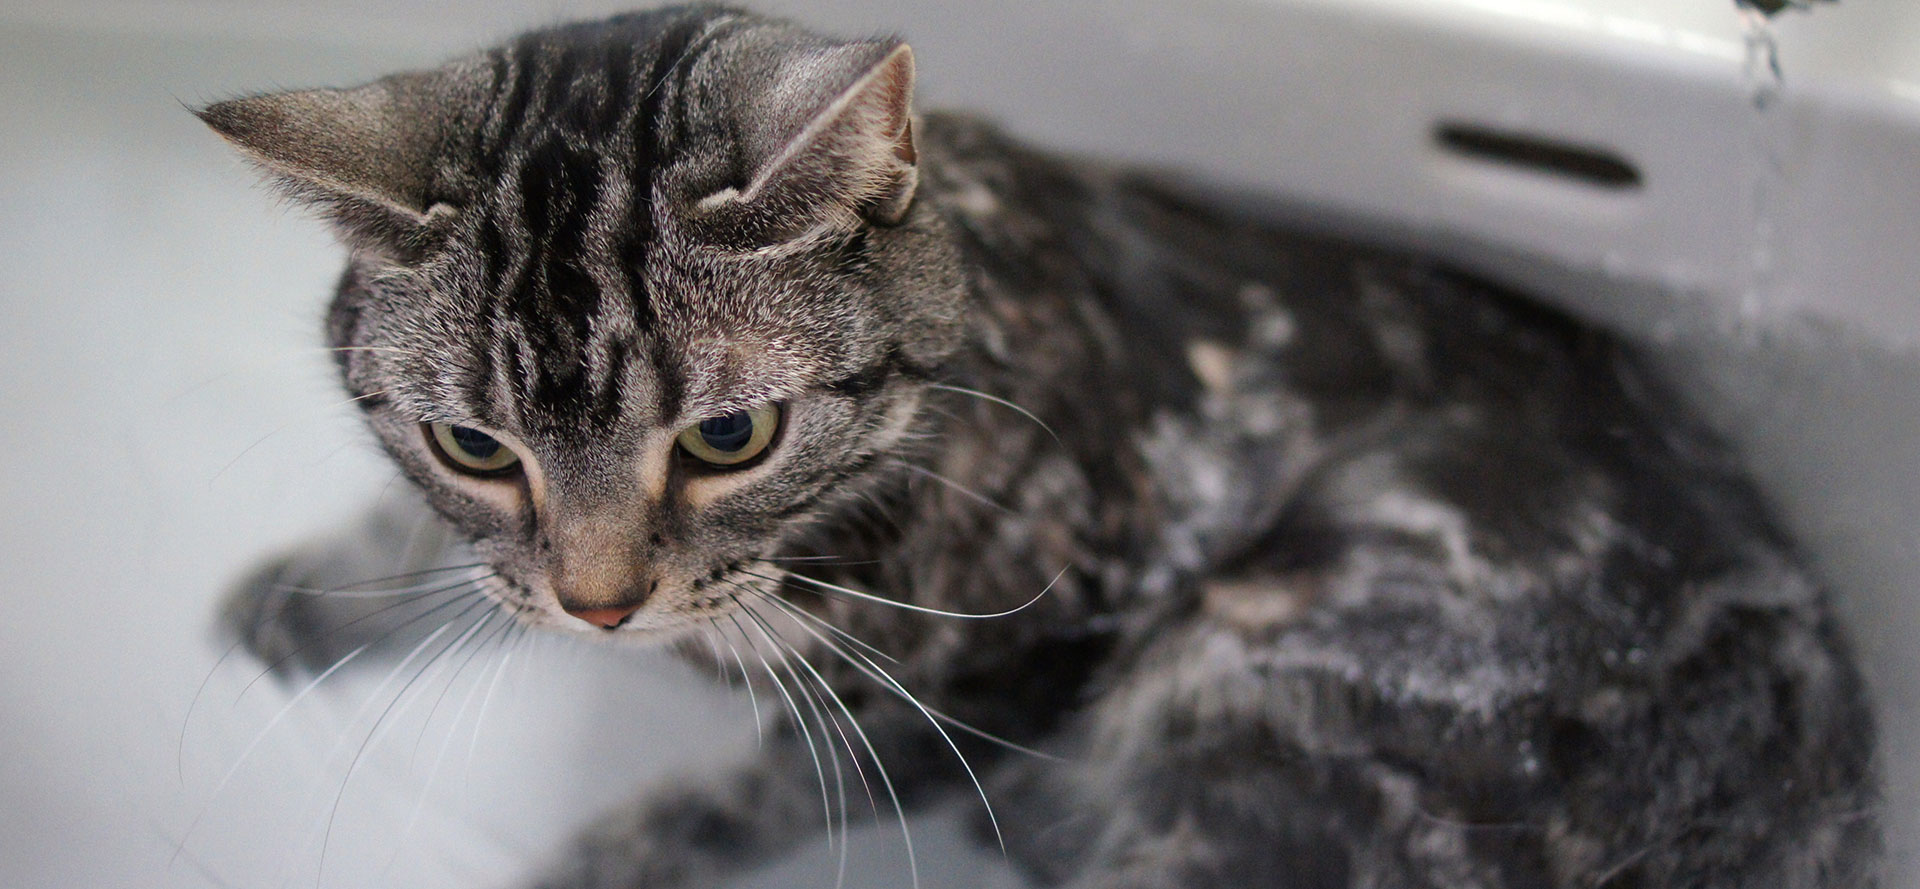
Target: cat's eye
point(472, 451)
point(731, 439)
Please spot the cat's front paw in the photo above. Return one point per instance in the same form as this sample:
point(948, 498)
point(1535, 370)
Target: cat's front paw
point(702, 833)
point(266, 614)
point(304, 610)
point(620, 854)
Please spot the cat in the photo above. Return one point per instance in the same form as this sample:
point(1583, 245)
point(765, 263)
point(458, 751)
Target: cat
point(1211, 553)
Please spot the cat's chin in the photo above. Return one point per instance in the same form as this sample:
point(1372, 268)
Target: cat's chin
point(667, 625)
point(734, 597)
point(652, 636)
point(664, 628)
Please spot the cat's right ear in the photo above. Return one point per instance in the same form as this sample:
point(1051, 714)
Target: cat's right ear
point(366, 157)
point(827, 142)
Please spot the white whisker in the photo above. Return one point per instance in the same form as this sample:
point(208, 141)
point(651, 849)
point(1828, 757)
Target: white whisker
point(516, 632)
point(446, 742)
point(823, 560)
point(842, 634)
point(799, 723)
point(956, 486)
point(719, 660)
point(840, 877)
point(886, 780)
point(789, 653)
point(1003, 403)
point(887, 679)
point(380, 721)
point(820, 718)
point(881, 600)
point(954, 721)
point(455, 599)
point(282, 428)
point(286, 356)
point(326, 673)
point(838, 728)
point(180, 754)
point(753, 700)
point(257, 738)
point(288, 708)
point(458, 643)
point(366, 588)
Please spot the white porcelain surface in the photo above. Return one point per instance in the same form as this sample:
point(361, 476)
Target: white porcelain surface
point(169, 421)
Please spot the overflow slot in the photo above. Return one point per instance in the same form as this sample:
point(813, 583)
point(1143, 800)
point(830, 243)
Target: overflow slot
point(1587, 165)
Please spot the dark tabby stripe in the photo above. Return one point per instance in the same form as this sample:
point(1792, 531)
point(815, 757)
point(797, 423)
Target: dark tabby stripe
point(559, 108)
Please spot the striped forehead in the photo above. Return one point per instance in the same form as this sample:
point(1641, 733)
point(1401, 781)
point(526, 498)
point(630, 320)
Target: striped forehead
point(562, 225)
point(560, 253)
point(574, 324)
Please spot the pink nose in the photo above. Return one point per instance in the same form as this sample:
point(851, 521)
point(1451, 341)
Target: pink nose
point(605, 617)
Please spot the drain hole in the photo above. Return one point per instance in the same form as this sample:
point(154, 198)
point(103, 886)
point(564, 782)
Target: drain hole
point(1591, 166)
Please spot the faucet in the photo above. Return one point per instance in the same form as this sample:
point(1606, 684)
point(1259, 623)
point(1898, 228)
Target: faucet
point(1769, 7)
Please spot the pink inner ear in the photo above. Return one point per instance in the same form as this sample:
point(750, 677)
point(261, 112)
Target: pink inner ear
point(903, 149)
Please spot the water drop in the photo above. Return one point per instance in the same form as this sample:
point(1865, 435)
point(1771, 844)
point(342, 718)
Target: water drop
point(1765, 82)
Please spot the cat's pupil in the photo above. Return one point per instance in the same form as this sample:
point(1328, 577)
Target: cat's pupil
point(729, 433)
point(477, 444)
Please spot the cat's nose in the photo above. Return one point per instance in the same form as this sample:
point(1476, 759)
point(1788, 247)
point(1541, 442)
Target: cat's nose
point(598, 574)
point(607, 618)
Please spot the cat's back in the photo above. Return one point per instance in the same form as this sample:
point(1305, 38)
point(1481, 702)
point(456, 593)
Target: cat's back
point(1207, 313)
point(1463, 537)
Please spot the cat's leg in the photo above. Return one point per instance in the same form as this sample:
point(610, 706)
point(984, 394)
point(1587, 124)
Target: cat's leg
point(1225, 757)
point(701, 831)
point(1378, 722)
point(697, 833)
point(393, 571)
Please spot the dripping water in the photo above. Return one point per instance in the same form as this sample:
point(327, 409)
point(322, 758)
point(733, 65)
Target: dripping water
point(1766, 83)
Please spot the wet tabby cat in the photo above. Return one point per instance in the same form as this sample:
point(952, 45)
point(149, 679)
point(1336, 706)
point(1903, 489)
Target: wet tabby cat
point(1357, 571)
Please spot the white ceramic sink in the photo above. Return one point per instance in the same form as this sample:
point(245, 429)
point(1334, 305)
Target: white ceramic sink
point(168, 423)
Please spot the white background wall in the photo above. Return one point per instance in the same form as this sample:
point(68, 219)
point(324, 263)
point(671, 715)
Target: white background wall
point(168, 420)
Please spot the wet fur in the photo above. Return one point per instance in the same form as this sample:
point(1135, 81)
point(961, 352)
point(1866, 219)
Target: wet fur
point(1360, 571)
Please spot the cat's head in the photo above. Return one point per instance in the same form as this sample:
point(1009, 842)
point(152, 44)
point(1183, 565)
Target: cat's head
point(633, 301)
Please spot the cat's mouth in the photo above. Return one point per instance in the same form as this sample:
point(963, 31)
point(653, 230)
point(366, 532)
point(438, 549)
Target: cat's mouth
point(670, 608)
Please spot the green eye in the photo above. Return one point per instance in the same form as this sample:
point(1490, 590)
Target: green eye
point(472, 451)
point(732, 439)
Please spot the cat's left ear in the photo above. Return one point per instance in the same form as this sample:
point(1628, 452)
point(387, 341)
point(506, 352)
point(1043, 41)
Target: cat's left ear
point(832, 137)
point(366, 157)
